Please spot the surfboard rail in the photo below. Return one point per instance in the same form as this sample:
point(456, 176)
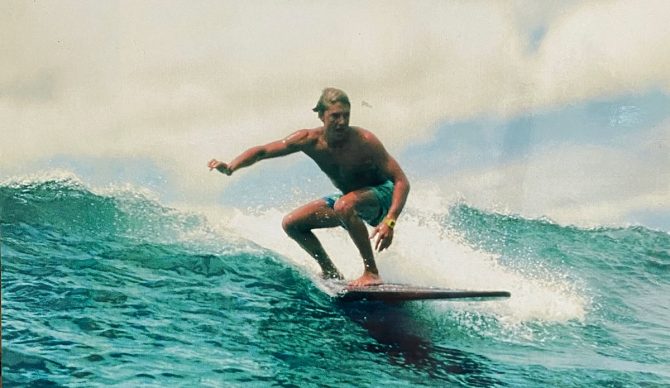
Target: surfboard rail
point(403, 292)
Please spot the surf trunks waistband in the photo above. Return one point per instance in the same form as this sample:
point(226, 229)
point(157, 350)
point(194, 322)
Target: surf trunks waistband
point(384, 194)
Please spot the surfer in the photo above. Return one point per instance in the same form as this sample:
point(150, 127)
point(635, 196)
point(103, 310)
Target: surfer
point(373, 186)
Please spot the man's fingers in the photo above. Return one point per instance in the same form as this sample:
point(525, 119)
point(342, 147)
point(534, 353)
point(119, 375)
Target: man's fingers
point(221, 166)
point(383, 242)
point(379, 244)
point(387, 243)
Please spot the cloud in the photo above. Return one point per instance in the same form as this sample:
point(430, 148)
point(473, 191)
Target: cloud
point(604, 48)
point(179, 82)
point(583, 185)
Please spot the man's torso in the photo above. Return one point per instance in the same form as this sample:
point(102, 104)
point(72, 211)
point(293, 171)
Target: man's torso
point(351, 165)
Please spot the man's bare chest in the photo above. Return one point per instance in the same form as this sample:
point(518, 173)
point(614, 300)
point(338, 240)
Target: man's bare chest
point(345, 162)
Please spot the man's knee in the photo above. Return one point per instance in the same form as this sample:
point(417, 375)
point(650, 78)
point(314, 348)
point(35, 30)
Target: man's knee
point(291, 226)
point(345, 207)
point(287, 224)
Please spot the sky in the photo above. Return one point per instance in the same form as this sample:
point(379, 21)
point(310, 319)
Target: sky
point(544, 109)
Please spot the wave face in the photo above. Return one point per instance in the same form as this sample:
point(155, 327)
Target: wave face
point(112, 287)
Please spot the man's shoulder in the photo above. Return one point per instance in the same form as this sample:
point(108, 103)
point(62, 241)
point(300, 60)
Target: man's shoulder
point(312, 135)
point(367, 136)
point(305, 134)
point(313, 132)
point(304, 137)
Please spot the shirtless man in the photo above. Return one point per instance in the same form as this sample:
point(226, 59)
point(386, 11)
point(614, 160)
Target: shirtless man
point(374, 187)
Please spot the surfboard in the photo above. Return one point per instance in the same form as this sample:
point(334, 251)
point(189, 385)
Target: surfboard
point(391, 292)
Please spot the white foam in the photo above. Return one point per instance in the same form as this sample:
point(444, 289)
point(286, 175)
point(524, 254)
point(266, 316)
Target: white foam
point(43, 176)
point(423, 253)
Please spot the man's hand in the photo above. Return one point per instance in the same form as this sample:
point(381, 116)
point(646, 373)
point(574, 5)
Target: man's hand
point(384, 236)
point(221, 166)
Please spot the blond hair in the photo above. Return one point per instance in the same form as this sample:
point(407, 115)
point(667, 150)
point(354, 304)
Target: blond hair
point(329, 97)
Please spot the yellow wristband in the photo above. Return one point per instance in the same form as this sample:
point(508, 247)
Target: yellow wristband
point(390, 222)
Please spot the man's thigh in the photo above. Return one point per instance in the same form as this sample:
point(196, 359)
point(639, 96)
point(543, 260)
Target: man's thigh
point(365, 202)
point(313, 215)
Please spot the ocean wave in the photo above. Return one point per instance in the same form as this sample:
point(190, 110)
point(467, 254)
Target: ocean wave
point(459, 246)
point(62, 201)
point(124, 282)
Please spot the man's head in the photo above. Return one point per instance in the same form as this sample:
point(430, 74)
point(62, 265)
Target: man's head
point(329, 97)
point(333, 108)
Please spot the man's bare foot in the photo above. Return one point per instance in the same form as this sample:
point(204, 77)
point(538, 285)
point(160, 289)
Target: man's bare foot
point(368, 279)
point(336, 275)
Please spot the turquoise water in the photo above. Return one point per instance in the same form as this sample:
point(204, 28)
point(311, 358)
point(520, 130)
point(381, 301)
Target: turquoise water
point(114, 288)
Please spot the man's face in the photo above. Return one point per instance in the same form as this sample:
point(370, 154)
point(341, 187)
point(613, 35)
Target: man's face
point(336, 120)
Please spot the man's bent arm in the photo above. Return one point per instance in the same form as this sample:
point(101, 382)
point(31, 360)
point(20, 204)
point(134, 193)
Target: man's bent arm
point(400, 188)
point(392, 171)
point(384, 231)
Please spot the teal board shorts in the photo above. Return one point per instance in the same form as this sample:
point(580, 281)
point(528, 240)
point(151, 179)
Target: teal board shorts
point(384, 194)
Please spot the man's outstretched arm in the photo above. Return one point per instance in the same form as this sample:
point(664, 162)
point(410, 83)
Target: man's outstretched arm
point(292, 143)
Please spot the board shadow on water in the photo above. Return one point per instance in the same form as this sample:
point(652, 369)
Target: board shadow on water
point(406, 340)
